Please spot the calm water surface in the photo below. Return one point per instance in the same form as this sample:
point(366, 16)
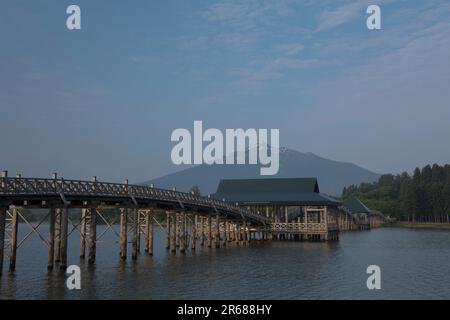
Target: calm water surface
point(414, 265)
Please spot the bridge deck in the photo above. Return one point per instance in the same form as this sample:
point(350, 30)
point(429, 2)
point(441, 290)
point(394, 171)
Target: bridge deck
point(40, 192)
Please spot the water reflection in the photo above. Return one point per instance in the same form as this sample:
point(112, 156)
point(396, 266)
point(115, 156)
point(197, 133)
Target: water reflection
point(413, 264)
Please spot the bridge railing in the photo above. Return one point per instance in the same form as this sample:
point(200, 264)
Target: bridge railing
point(300, 227)
point(54, 187)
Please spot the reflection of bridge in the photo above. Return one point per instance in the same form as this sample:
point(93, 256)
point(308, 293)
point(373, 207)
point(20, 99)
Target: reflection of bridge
point(188, 217)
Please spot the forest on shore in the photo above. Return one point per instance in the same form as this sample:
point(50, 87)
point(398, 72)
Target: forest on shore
point(423, 196)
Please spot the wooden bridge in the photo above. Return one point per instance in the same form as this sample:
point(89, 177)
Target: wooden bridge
point(187, 217)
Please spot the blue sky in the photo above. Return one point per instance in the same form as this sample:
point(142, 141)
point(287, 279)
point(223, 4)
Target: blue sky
point(104, 100)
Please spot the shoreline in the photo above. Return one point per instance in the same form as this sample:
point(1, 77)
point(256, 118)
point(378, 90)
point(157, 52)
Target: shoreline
point(421, 225)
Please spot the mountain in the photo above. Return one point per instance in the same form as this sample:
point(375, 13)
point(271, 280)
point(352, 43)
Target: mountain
point(332, 175)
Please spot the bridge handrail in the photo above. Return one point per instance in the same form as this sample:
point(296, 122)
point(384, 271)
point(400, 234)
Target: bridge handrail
point(48, 186)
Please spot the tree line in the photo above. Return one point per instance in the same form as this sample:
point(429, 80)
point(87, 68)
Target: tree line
point(423, 196)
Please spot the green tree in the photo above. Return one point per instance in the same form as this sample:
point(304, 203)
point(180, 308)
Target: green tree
point(195, 190)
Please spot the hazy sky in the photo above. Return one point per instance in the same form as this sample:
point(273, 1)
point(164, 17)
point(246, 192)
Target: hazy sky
point(104, 100)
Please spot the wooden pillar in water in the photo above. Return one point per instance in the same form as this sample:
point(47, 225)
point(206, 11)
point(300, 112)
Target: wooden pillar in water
point(238, 234)
point(167, 245)
point(58, 235)
point(3, 214)
point(51, 240)
point(173, 247)
point(202, 231)
point(177, 229)
point(194, 233)
point(183, 232)
point(217, 231)
point(14, 225)
point(138, 241)
point(186, 231)
point(209, 231)
point(149, 242)
point(64, 236)
point(225, 233)
point(123, 233)
point(92, 243)
point(134, 244)
point(83, 234)
point(146, 233)
point(244, 233)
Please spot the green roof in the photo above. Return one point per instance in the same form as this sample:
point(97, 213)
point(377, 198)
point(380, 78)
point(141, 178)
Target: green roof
point(294, 191)
point(269, 185)
point(355, 205)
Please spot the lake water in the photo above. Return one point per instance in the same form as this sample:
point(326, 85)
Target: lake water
point(415, 264)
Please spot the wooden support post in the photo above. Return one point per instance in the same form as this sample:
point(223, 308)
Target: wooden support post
point(147, 233)
point(134, 244)
point(138, 241)
point(123, 233)
point(209, 231)
point(217, 231)
point(150, 232)
point(51, 240)
point(202, 231)
point(92, 244)
point(64, 237)
point(244, 233)
point(2, 235)
point(186, 231)
point(14, 225)
point(83, 234)
point(225, 233)
point(178, 230)
point(58, 235)
point(183, 232)
point(194, 233)
point(249, 235)
point(173, 246)
point(238, 234)
point(230, 232)
point(167, 230)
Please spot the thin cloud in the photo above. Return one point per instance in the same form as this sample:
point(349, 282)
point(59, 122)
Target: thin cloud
point(290, 49)
point(332, 18)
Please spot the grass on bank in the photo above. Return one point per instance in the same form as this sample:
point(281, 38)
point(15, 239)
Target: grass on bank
point(422, 225)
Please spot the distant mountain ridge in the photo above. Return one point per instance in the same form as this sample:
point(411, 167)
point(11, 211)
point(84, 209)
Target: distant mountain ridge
point(332, 175)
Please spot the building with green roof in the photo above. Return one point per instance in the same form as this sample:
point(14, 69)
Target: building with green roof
point(296, 206)
point(365, 218)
